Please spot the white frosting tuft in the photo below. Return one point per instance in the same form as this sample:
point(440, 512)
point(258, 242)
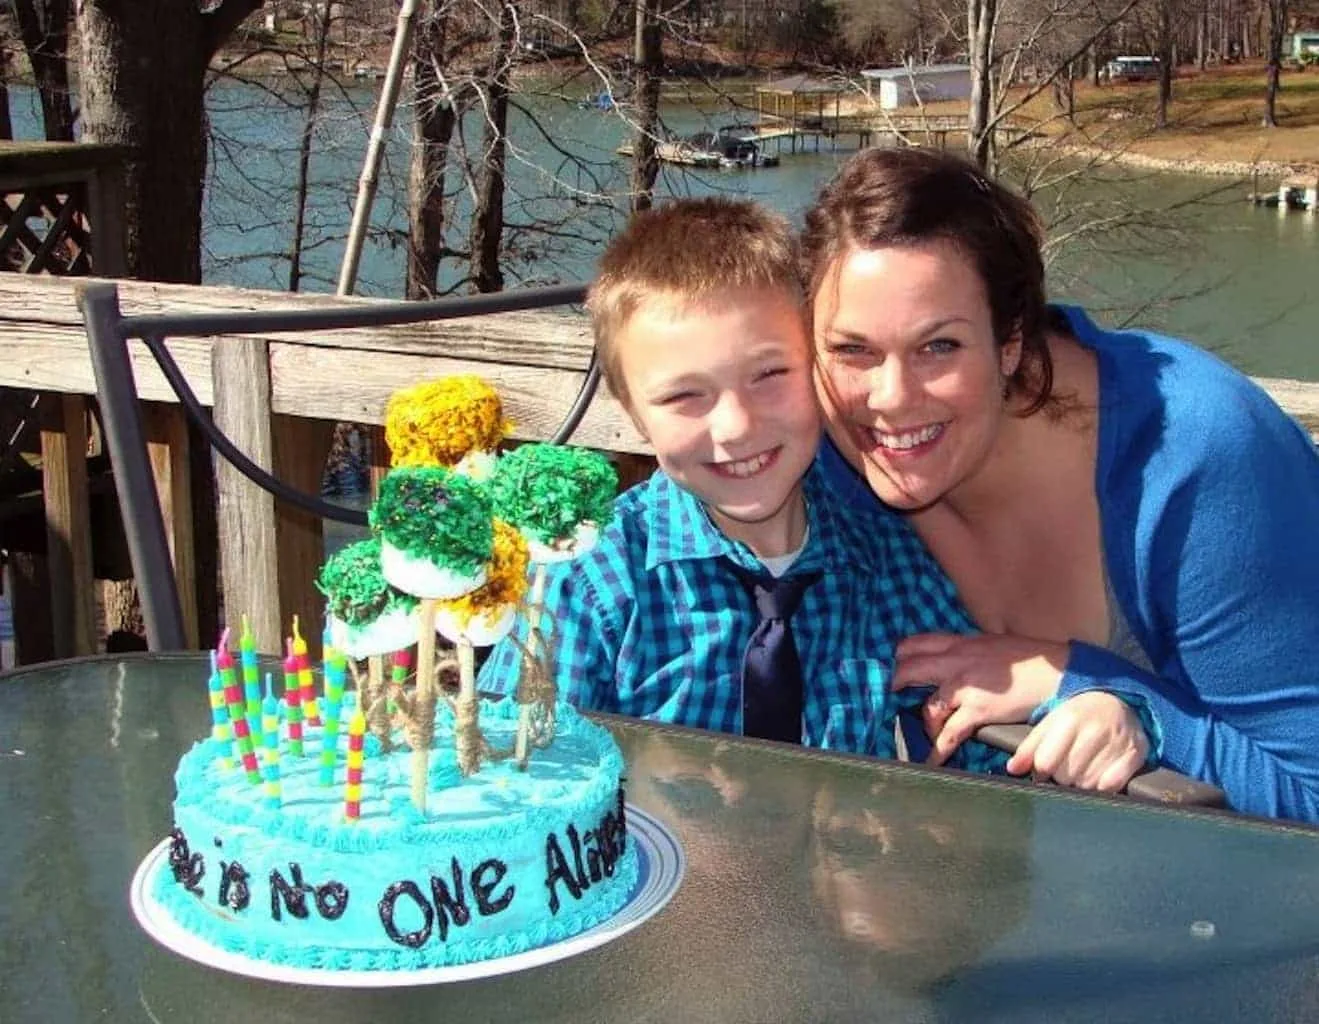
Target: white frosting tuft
point(422, 577)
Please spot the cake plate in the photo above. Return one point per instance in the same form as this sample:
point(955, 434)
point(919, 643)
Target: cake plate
point(660, 868)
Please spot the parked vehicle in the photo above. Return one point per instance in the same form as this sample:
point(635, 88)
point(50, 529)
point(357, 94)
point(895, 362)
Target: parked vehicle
point(1131, 69)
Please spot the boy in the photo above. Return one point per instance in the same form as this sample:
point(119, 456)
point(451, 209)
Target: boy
point(701, 334)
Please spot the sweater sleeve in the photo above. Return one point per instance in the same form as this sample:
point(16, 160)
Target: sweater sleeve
point(1211, 542)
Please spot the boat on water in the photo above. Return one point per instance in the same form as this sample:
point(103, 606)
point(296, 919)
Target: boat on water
point(729, 147)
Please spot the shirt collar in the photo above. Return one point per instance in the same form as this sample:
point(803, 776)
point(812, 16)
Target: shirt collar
point(680, 529)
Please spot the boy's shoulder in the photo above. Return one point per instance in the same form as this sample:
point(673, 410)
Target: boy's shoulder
point(874, 537)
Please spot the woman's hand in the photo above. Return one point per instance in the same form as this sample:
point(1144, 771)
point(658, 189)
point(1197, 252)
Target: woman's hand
point(977, 680)
point(1091, 741)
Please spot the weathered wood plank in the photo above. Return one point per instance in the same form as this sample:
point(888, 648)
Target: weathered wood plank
point(534, 338)
point(46, 348)
point(535, 399)
point(47, 357)
point(301, 446)
point(166, 432)
point(248, 554)
point(68, 526)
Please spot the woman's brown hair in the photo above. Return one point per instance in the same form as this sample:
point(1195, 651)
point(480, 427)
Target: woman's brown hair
point(897, 197)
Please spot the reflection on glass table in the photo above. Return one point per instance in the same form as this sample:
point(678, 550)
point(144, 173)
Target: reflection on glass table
point(818, 888)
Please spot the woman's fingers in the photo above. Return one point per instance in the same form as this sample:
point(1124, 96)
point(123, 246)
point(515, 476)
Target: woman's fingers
point(960, 727)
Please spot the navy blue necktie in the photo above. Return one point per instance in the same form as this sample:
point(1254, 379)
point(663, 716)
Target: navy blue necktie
point(771, 670)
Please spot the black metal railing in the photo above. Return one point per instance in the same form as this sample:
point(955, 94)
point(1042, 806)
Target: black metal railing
point(108, 334)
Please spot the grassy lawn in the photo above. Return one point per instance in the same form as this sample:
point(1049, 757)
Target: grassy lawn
point(1215, 117)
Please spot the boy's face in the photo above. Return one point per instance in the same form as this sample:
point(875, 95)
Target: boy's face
point(723, 392)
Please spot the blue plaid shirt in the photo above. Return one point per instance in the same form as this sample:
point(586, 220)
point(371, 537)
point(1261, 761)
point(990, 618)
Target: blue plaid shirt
point(651, 623)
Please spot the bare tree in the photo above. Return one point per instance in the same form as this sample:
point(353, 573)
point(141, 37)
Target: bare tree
point(142, 72)
point(1277, 27)
point(44, 28)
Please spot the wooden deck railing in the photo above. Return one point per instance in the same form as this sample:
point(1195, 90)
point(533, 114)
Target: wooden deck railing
point(279, 395)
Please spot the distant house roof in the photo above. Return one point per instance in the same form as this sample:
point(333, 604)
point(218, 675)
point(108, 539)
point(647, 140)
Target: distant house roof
point(917, 69)
point(797, 84)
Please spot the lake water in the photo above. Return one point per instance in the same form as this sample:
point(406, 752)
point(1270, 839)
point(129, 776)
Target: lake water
point(1230, 276)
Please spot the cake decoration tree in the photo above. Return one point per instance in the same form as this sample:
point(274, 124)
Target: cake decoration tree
point(559, 497)
point(480, 619)
point(436, 540)
point(457, 422)
point(368, 618)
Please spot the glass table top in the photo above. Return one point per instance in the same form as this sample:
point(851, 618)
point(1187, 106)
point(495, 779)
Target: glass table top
point(818, 888)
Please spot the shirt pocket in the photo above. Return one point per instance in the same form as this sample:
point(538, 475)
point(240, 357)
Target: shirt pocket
point(847, 709)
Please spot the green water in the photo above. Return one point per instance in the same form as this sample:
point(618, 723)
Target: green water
point(1221, 272)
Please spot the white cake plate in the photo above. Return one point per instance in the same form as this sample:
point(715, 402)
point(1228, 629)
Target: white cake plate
point(660, 867)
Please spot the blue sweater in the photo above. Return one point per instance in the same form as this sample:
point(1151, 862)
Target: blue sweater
point(1209, 500)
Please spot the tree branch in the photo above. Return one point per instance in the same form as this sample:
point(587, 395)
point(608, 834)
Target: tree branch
point(221, 22)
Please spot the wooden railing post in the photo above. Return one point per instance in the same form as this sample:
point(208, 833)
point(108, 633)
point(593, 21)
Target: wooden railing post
point(301, 446)
point(68, 525)
point(249, 566)
point(166, 430)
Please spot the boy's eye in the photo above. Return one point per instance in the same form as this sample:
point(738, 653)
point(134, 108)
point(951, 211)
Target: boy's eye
point(675, 398)
point(774, 371)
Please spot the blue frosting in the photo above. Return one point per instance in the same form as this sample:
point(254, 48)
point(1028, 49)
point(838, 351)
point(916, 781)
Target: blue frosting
point(501, 862)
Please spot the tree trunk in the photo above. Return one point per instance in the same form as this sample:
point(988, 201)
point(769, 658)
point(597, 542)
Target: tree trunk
point(142, 73)
point(981, 16)
point(648, 64)
point(304, 149)
point(1165, 54)
point(432, 129)
point(6, 69)
point(44, 27)
point(1277, 26)
point(488, 215)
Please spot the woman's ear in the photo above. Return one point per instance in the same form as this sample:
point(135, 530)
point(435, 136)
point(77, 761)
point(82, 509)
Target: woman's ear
point(1009, 354)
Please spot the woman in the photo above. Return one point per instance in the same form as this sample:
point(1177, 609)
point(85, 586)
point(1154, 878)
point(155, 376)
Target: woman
point(1125, 515)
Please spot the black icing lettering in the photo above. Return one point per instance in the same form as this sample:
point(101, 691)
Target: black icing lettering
point(331, 900)
point(574, 840)
point(481, 889)
point(557, 870)
point(189, 868)
point(293, 896)
point(622, 821)
point(414, 939)
point(234, 892)
point(449, 907)
point(590, 843)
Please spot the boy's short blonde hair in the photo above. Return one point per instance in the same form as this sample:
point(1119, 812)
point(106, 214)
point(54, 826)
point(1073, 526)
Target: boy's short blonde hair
point(685, 253)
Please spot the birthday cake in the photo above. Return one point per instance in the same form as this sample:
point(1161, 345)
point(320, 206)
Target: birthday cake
point(447, 829)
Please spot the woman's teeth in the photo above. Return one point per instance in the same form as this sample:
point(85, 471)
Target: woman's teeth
point(908, 439)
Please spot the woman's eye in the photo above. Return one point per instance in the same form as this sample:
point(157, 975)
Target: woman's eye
point(942, 346)
point(845, 348)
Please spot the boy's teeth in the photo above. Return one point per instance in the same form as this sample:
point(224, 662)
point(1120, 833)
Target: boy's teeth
point(910, 439)
point(747, 466)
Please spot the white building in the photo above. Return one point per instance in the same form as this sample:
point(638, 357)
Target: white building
point(918, 83)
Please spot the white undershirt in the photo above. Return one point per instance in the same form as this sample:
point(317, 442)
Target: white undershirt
point(779, 564)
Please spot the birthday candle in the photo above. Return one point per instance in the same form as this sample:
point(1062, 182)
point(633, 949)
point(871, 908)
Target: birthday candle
point(251, 676)
point(306, 681)
point(293, 697)
point(353, 787)
point(270, 745)
point(334, 686)
point(398, 672)
point(220, 731)
point(233, 697)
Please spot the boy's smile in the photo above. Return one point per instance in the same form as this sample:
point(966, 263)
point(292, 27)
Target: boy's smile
point(722, 390)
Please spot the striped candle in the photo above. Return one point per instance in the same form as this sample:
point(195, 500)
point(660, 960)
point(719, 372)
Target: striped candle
point(353, 787)
point(306, 681)
point(270, 745)
point(220, 731)
point(233, 697)
point(293, 698)
point(335, 676)
point(251, 676)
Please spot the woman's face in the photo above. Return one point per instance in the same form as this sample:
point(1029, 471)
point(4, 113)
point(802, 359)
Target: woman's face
point(909, 374)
